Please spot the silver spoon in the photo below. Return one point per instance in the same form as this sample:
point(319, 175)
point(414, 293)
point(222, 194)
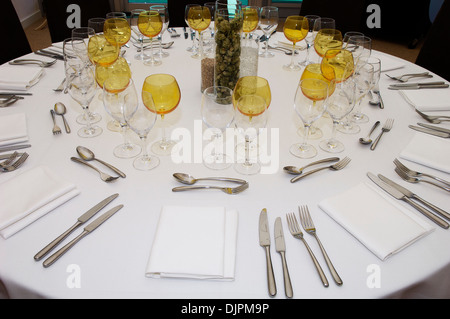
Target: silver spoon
point(60, 109)
point(105, 177)
point(367, 140)
point(88, 155)
point(189, 180)
point(297, 171)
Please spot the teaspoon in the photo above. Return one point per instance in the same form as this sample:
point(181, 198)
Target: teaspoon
point(189, 180)
point(367, 140)
point(60, 109)
point(88, 155)
point(297, 171)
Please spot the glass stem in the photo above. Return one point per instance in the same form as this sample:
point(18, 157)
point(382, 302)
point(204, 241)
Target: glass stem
point(144, 148)
point(200, 37)
point(293, 54)
point(160, 45)
point(87, 116)
point(305, 138)
point(247, 151)
point(163, 143)
point(123, 129)
point(267, 45)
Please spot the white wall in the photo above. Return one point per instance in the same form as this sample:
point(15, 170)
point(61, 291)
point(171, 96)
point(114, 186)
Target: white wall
point(28, 11)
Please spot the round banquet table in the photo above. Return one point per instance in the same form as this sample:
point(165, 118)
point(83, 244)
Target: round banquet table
point(113, 259)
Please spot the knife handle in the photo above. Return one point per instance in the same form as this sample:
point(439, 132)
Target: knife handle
point(270, 275)
point(438, 210)
point(442, 223)
point(55, 242)
point(287, 278)
point(50, 260)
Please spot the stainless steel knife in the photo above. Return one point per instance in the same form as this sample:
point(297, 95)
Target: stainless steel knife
point(87, 230)
point(434, 127)
point(410, 194)
point(280, 246)
point(264, 241)
point(430, 131)
point(81, 220)
point(416, 86)
point(13, 147)
point(398, 195)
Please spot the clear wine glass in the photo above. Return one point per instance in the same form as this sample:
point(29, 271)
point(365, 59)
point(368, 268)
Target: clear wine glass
point(268, 23)
point(363, 77)
point(140, 120)
point(164, 14)
point(82, 88)
point(217, 114)
point(96, 24)
point(115, 89)
point(310, 104)
point(134, 18)
point(309, 39)
point(339, 105)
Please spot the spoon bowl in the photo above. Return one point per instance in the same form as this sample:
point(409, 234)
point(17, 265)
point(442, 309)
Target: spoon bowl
point(88, 155)
point(61, 109)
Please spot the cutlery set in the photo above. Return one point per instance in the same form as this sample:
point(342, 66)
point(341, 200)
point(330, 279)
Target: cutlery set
point(189, 180)
point(87, 230)
point(280, 246)
point(11, 163)
point(87, 155)
point(432, 130)
point(415, 86)
point(387, 126)
point(335, 167)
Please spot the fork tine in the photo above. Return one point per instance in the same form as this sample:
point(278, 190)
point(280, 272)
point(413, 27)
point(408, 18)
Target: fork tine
point(305, 217)
point(401, 166)
point(403, 175)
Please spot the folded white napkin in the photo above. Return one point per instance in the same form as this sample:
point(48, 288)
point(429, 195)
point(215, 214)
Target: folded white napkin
point(194, 242)
point(388, 63)
point(19, 77)
point(13, 129)
point(384, 226)
point(428, 150)
point(29, 196)
point(428, 100)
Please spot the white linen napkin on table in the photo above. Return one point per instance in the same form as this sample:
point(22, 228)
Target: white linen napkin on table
point(428, 100)
point(431, 151)
point(194, 242)
point(19, 77)
point(388, 63)
point(13, 129)
point(29, 196)
point(383, 226)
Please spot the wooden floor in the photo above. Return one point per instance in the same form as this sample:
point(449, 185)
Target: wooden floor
point(41, 39)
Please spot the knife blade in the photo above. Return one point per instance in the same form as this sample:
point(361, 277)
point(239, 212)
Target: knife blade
point(415, 84)
point(412, 195)
point(280, 246)
point(87, 230)
point(264, 241)
point(434, 127)
point(430, 131)
point(400, 196)
point(80, 221)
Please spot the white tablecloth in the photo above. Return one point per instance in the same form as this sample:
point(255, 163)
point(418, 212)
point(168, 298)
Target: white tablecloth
point(110, 263)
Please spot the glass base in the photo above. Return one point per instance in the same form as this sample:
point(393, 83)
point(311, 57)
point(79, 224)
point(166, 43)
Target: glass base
point(348, 128)
point(217, 161)
point(315, 133)
point(93, 131)
point(141, 56)
point(292, 67)
point(146, 162)
point(162, 54)
point(332, 146)
point(152, 62)
point(113, 126)
point(163, 148)
point(267, 54)
point(303, 150)
point(93, 118)
point(247, 168)
point(359, 118)
point(127, 150)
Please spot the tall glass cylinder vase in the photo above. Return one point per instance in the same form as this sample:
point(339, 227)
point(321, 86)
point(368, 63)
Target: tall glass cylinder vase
point(227, 35)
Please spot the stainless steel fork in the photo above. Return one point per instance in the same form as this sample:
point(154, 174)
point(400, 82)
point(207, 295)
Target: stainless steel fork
point(56, 129)
point(336, 167)
point(406, 77)
point(16, 164)
point(228, 190)
point(412, 179)
point(308, 226)
point(294, 228)
point(412, 173)
point(9, 160)
point(386, 128)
